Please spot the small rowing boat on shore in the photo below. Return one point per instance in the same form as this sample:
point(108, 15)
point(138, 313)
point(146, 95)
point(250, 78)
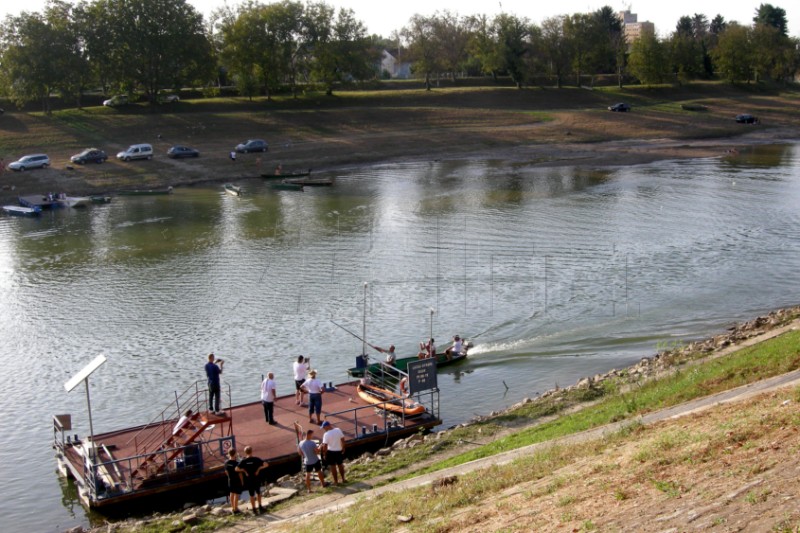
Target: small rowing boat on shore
point(390, 401)
point(232, 189)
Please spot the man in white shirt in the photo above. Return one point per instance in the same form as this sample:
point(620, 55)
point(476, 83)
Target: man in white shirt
point(314, 388)
point(268, 395)
point(333, 445)
point(456, 348)
point(300, 369)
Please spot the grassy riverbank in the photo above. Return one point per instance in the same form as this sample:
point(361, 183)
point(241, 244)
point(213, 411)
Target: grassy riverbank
point(730, 464)
point(542, 125)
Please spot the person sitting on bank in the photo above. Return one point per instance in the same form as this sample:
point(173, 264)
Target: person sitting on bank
point(455, 349)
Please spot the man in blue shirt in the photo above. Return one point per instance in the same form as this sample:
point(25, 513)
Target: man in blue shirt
point(213, 371)
point(309, 451)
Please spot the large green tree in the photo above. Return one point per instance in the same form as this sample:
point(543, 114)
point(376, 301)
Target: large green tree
point(649, 59)
point(769, 15)
point(150, 44)
point(423, 52)
point(513, 45)
point(553, 47)
point(453, 35)
point(41, 55)
point(734, 53)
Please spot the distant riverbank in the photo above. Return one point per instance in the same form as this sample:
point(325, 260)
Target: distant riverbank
point(567, 127)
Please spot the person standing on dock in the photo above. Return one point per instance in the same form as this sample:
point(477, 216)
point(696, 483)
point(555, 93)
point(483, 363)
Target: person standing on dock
point(309, 451)
point(333, 450)
point(213, 371)
point(314, 388)
point(235, 482)
point(300, 369)
point(268, 395)
point(251, 466)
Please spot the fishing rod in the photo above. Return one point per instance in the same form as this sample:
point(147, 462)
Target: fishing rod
point(357, 337)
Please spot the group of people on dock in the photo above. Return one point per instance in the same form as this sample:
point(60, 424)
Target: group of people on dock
point(246, 473)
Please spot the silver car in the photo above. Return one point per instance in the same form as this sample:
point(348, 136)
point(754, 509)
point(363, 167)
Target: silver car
point(30, 161)
point(252, 145)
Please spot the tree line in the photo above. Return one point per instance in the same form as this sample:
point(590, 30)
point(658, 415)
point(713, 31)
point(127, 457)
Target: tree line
point(147, 46)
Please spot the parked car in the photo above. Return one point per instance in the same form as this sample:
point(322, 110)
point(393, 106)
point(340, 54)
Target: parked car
point(179, 151)
point(252, 145)
point(621, 107)
point(90, 155)
point(168, 98)
point(746, 118)
point(28, 162)
point(115, 101)
point(136, 151)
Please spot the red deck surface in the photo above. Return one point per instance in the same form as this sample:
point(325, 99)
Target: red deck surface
point(276, 444)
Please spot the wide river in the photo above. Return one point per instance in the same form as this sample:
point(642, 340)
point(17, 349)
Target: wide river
point(555, 274)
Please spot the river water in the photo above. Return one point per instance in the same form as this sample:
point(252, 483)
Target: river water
point(555, 274)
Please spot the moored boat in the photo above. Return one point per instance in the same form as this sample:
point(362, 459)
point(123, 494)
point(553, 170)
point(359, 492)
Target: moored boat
point(75, 201)
point(402, 363)
point(100, 199)
point(146, 192)
point(389, 401)
point(232, 189)
point(284, 175)
point(312, 182)
point(21, 211)
point(285, 185)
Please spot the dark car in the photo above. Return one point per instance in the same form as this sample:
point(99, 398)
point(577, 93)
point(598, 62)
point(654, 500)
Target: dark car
point(90, 155)
point(252, 145)
point(621, 107)
point(745, 118)
point(179, 151)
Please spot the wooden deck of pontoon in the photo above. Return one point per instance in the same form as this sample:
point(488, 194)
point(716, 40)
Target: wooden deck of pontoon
point(276, 444)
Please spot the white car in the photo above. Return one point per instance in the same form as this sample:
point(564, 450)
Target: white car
point(30, 161)
point(115, 101)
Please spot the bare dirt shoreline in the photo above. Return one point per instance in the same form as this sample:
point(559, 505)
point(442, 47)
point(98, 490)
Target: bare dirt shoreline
point(534, 128)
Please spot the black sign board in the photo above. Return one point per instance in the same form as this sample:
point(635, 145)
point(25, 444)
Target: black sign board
point(422, 375)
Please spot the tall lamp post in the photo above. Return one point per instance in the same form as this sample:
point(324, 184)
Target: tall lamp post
point(83, 375)
point(364, 323)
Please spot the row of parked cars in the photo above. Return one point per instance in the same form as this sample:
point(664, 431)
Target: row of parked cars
point(134, 151)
